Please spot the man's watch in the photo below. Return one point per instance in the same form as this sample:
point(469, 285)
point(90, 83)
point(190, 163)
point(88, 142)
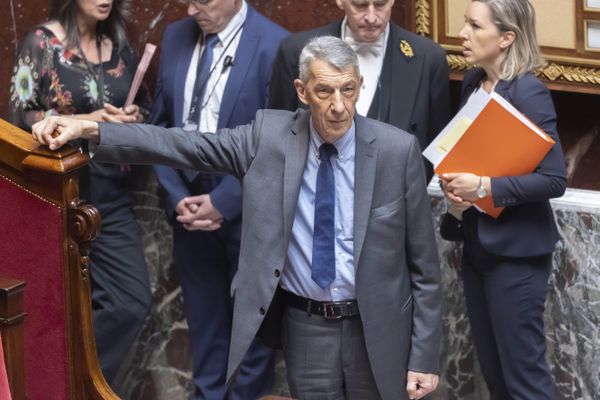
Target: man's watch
point(481, 192)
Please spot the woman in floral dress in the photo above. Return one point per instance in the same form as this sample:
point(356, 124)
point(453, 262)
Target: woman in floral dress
point(80, 64)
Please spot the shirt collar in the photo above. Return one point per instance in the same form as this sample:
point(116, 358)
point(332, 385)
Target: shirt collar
point(381, 41)
point(343, 145)
point(229, 32)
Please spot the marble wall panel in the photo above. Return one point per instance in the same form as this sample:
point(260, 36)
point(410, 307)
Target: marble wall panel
point(572, 317)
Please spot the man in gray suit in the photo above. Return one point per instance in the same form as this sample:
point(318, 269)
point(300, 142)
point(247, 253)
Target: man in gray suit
point(337, 243)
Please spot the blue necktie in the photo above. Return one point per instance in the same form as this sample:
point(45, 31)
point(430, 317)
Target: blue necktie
point(323, 256)
point(202, 76)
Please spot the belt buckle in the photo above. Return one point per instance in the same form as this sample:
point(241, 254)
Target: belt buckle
point(328, 311)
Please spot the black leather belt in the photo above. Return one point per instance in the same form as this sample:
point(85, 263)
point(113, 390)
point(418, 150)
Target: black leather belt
point(326, 309)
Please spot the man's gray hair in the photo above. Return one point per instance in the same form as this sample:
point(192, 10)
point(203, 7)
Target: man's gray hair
point(330, 49)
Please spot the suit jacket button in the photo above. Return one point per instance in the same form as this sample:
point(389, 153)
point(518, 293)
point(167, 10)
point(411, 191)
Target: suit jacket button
point(261, 311)
point(277, 273)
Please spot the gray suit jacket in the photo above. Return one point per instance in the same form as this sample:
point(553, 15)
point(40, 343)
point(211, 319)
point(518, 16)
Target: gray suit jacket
point(397, 269)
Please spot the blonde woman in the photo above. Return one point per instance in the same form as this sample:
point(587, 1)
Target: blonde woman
point(507, 261)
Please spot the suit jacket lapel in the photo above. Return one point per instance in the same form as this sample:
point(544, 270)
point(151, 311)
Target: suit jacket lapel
point(502, 88)
point(470, 84)
point(181, 69)
point(380, 106)
point(405, 80)
point(295, 160)
point(332, 29)
point(242, 62)
point(364, 181)
point(473, 81)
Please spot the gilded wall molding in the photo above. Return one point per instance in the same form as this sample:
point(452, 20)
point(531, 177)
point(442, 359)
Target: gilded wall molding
point(457, 63)
point(552, 71)
point(558, 72)
point(423, 17)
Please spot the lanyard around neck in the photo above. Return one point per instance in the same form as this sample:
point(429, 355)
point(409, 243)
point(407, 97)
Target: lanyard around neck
point(198, 86)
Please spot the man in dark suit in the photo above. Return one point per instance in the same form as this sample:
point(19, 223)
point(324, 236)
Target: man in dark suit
point(214, 73)
point(405, 75)
point(337, 232)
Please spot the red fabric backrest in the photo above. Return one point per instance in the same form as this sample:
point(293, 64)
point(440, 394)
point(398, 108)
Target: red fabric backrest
point(4, 388)
point(31, 249)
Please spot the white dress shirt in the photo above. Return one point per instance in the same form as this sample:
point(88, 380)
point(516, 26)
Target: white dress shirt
point(370, 61)
point(229, 39)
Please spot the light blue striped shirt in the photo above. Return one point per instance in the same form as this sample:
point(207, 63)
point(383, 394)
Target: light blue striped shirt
point(297, 272)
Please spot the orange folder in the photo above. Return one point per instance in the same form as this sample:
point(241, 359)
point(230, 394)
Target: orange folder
point(497, 143)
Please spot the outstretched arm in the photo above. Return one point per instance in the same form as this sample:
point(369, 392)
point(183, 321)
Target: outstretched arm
point(55, 132)
point(231, 151)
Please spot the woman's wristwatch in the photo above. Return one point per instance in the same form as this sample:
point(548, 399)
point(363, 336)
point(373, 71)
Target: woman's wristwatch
point(481, 192)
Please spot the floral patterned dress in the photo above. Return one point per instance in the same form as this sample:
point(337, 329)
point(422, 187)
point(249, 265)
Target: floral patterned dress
point(49, 79)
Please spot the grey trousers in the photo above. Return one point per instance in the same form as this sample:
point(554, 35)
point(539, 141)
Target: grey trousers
point(326, 359)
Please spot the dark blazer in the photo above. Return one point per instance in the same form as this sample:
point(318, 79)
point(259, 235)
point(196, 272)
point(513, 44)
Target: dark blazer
point(245, 93)
point(414, 91)
point(397, 270)
point(526, 227)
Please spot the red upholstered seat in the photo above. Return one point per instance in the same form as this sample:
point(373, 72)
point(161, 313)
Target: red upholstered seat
point(31, 250)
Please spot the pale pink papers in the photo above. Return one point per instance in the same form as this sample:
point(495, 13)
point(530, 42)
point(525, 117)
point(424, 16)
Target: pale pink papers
point(139, 74)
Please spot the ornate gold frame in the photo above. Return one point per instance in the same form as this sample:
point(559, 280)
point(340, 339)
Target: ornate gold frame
point(562, 71)
point(586, 42)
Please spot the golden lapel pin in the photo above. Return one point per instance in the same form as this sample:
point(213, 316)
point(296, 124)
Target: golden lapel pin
point(406, 49)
